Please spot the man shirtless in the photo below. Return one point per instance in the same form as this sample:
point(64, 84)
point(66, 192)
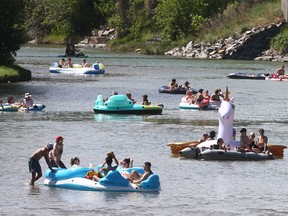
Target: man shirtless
point(34, 166)
point(56, 154)
point(137, 178)
point(280, 71)
point(262, 141)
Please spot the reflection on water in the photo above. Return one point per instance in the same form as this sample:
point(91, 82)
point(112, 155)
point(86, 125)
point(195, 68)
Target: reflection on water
point(117, 117)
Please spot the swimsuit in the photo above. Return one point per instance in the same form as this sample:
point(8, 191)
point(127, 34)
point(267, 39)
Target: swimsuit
point(34, 166)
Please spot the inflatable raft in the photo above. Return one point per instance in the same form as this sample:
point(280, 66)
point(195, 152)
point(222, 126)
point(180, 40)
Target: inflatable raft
point(219, 154)
point(35, 107)
point(179, 90)
point(120, 104)
point(74, 178)
point(213, 105)
point(259, 76)
point(77, 70)
point(8, 108)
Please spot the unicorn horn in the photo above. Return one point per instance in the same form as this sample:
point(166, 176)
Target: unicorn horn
point(227, 94)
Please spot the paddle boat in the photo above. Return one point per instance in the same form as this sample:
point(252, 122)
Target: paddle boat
point(96, 69)
point(225, 131)
point(259, 76)
point(74, 178)
point(120, 104)
point(179, 90)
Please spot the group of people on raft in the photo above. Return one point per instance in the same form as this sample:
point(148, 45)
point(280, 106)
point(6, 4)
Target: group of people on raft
point(26, 102)
point(247, 143)
point(52, 154)
point(201, 97)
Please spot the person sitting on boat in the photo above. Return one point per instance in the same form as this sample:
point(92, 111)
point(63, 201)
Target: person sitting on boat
point(212, 135)
point(75, 162)
point(219, 145)
point(173, 84)
point(262, 141)
point(137, 178)
point(206, 99)
point(108, 161)
point(280, 72)
point(27, 101)
point(216, 96)
point(186, 86)
point(145, 100)
point(11, 102)
point(252, 144)
point(189, 97)
point(125, 164)
point(62, 63)
point(129, 96)
point(85, 64)
point(199, 98)
point(204, 138)
point(244, 140)
point(69, 63)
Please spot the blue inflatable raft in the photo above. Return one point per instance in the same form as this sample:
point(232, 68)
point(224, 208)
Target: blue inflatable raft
point(74, 178)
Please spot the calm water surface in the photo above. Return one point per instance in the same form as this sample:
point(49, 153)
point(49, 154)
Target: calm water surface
point(189, 187)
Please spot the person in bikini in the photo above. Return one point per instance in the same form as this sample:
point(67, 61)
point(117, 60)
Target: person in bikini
point(108, 161)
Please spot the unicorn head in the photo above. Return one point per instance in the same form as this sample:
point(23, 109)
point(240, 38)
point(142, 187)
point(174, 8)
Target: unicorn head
point(226, 117)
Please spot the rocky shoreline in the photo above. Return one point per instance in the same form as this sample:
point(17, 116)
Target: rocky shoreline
point(251, 45)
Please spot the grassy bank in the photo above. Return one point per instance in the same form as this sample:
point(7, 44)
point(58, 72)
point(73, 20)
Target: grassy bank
point(14, 73)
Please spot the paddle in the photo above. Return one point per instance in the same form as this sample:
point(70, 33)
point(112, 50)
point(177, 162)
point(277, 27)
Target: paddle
point(276, 150)
point(176, 147)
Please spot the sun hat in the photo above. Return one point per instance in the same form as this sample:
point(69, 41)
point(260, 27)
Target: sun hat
point(27, 95)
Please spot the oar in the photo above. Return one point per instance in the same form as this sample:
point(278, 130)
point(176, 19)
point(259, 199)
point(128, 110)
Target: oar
point(176, 147)
point(276, 150)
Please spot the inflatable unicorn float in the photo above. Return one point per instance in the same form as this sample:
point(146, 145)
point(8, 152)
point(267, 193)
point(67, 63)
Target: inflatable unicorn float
point(225, 131)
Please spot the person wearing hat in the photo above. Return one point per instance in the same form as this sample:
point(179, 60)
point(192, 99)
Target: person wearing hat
point(34, 166)
point(27, 101)
point(56, 154)
point(252, 144)
point(244, 140)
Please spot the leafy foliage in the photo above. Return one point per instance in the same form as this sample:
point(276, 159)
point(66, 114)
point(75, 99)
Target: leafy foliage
point(280, 42)
point(12, 33)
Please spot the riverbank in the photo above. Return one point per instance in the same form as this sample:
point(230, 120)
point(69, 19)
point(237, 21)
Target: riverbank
point(14, 73)
point(253, 44)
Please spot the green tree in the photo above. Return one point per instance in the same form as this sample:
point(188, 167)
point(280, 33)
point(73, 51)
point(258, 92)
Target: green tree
point(72, 19)
point(12, 31)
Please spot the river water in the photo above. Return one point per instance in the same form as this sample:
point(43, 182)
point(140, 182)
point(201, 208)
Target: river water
point(188, 186)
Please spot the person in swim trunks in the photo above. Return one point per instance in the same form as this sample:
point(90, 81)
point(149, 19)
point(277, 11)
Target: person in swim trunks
point(56, 154)
point(34, 166)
